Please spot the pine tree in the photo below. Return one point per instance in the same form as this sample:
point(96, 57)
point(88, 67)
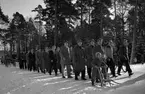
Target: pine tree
point(137, 21)
point(3, 17)
point(59, 17)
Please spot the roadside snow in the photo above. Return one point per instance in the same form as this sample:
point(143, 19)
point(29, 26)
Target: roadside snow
point(16, 81)
point(137, 88)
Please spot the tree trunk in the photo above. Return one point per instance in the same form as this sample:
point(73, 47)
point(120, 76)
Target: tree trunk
point(134, 35)
point(89, 15)
point(4, 52)
point(13, 46)
point(115, 31)
point(89, 12)
point(122, 25)
point(18, 50)
point(56, 24)
point(81, 14)
point(39, 41)
point(11, 49)
point(101, 22)
point(18, 46)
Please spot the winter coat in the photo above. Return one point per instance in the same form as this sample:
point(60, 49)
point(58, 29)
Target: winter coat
point(96, 62)
point(89, 55)
point(40, 59)
point(79, 59)
point(109, 52)
point(123, 53)
point(58, 57)
point(65, 55)
point(31, 57)
point(52, 57)
point(46, 59)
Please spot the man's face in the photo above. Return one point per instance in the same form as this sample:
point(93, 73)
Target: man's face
point(111, 43)
point(100, 42)
point(98, 55)
point(125, 43)
point(80, 43)
point(92, 43)
point(46, 49)
point(66, 44)
point(32, 50)
point(58, 49)
point(39, 50)
point(54, 47)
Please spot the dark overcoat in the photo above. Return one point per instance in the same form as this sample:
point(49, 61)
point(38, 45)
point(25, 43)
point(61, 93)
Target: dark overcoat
point(58, 57)
point(123, 52)
point(89, 55)
point(65, 55)
point(79, 59)
point(40, 59)
point(31, 57)
point(52, 57)
point(46, 59)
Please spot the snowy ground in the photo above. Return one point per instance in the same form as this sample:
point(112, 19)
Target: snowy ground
point(16, 81)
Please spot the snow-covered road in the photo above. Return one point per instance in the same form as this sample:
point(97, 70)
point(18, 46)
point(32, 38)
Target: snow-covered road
point(16, 81)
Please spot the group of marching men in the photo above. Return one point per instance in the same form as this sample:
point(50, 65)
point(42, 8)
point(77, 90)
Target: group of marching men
point(78, 59)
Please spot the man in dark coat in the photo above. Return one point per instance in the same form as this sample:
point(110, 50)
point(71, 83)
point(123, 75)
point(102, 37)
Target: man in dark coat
point(109, 57)
point(32, 59)
point(89, 57)
point(24, 60)
point(46, 59)
point(53, 61)
point(13, 59)
point(39, 60)
point(66, 59)
point(79, 61)
point(58, 59)
point(2, 60)
point(124, 59)
point(43, 67)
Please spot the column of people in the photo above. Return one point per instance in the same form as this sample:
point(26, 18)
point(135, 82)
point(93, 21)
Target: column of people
point(78, 59)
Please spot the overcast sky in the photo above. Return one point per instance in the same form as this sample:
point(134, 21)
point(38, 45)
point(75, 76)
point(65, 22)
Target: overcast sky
point(22, 6)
